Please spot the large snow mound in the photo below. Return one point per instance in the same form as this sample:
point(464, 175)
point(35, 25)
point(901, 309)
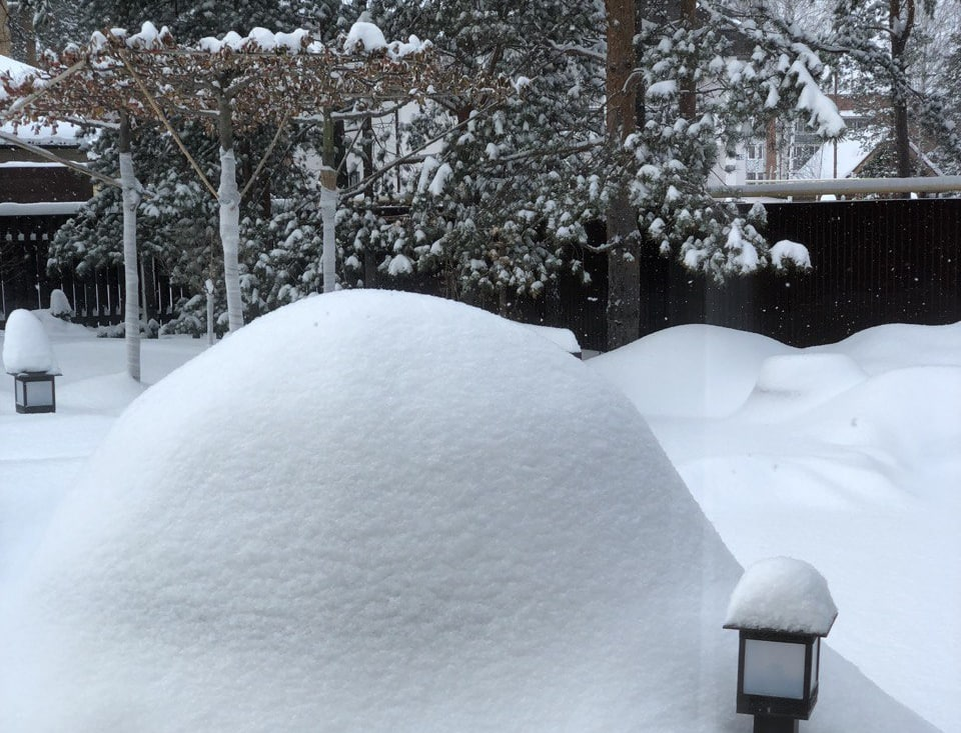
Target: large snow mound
point(382, 512)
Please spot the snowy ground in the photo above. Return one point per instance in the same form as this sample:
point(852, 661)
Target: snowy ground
point(843, 456)
point(846, 456)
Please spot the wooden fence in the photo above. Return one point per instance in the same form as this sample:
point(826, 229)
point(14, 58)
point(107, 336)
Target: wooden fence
point(874, 262)
point(97, 300)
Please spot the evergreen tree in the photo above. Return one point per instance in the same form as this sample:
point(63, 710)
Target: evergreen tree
point(503, 207)
point(493, 213)
point(878, 45)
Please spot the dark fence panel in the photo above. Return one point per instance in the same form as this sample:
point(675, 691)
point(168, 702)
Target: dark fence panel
point(97, 299)
point(874, 262)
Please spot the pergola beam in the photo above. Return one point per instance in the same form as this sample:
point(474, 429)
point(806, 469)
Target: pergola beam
point(841, 187)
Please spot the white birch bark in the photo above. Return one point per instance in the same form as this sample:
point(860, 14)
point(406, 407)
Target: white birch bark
point(328, 214)
point(131, 321)
point(229, 196)
point(211, 336)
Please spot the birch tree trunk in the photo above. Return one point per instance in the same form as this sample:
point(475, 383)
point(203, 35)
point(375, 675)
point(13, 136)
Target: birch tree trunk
point(328, 207)
point(131, 200)
point(228, 196)
point(209, 290)
point(328, 214)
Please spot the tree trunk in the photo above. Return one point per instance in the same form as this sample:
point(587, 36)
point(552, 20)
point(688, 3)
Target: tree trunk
point(131, 200)
point(209, 292)
point(228, 196)
point(367, 153)
point(328, 208)
point(624, 284)
point(6, 39)
point(29, 35)
point(900, 24)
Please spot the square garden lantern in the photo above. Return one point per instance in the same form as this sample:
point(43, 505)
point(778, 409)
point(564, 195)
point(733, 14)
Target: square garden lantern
point(35, 392)
point(28, 357)
point(782, 608)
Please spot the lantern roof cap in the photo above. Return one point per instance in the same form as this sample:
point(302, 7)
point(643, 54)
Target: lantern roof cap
point(782, 594)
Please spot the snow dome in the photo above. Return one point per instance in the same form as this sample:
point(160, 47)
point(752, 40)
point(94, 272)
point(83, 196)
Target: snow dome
point(785, 594)
point(26, 347)
point(376, 512)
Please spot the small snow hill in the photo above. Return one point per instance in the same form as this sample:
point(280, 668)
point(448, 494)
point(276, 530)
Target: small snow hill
point(384, 513)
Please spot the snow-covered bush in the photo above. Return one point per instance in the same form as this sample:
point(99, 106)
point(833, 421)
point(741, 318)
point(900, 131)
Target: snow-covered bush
point(60, 305)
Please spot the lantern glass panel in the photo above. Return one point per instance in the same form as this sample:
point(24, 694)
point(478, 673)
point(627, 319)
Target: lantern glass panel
point(774, 669)
point(39, 394)
point(21, 394)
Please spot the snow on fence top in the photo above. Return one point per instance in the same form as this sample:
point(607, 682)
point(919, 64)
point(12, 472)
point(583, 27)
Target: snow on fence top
point(26, 347)
point(782, 594)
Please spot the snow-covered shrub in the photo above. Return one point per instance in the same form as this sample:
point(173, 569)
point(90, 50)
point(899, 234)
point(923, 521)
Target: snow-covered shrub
point(60, 305)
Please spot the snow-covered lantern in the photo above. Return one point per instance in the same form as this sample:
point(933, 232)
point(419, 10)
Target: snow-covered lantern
point(782, 608)
point(28, 357)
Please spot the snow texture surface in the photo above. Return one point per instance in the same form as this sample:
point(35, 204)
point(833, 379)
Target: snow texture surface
point(366, 512)
point(374, 512)
point(782, 594)
point(845, 455)
point(26, 347)
point(563, 337)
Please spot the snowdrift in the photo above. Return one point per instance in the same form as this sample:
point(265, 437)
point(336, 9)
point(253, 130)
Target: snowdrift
point(384, 512)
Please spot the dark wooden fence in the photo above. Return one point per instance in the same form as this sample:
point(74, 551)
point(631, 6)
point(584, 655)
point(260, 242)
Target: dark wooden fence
point(97, 299)
point(874, 262)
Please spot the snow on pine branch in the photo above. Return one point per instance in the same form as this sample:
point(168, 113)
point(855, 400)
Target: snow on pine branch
point(824, 115)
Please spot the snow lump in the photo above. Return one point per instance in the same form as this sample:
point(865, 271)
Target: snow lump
point(380, 512)
point(782, 594)
point(26, 346)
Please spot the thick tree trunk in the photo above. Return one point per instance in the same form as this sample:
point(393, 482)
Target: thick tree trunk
point(228, 196)
point(30, 35)
point(902, 141)
point(624, 284)
point(131, 200)
point(6, 40)
point(900, 24)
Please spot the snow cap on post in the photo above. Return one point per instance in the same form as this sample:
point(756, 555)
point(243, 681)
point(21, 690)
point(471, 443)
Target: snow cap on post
point(782, 594)
point(26, 348)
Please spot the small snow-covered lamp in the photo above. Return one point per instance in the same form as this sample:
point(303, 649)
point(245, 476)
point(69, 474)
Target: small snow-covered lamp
point(782, 608)
point(28, 357)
